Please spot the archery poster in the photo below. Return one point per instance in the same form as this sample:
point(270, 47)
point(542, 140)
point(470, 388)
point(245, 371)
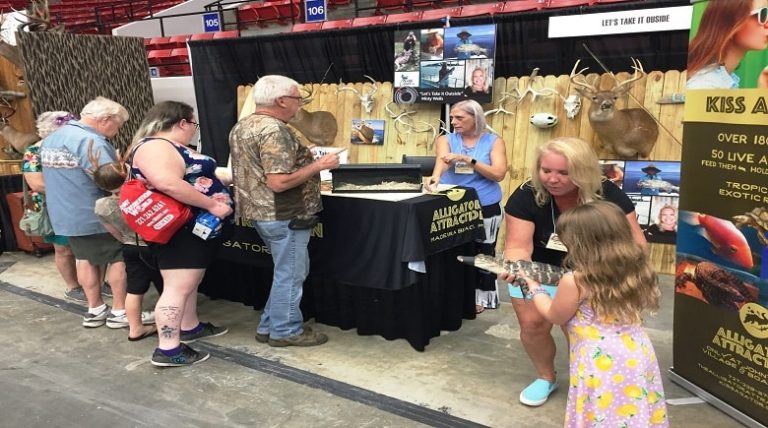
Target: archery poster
point(445, 65)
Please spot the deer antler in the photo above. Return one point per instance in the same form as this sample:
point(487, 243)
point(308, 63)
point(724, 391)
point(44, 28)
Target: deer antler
point(93, 158)
point(366, 98)
point(500, 105)
point(375, 85)
point(306, 99)
point(399, 118)
point(346, 89)
point(639, 74)
point(409, 127)
point(534, 93)
point(39, 19)
point(577, 78)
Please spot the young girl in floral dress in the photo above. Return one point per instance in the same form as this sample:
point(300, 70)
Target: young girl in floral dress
point(614, 376)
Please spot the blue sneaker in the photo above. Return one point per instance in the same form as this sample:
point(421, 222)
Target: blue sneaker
point(537, 392)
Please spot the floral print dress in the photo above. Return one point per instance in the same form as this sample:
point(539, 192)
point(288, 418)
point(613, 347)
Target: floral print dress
point(614, 376)
point(31, 163)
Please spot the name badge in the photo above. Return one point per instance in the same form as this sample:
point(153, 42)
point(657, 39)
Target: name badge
point(554, 243)
point(463, 168)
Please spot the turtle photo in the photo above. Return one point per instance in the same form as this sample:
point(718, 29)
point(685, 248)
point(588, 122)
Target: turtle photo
point(757, 219)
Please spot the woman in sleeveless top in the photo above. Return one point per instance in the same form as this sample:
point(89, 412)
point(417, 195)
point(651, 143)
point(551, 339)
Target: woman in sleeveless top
point(162, 159)
point(473, 157)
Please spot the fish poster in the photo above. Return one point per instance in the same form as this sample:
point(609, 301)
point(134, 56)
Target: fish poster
point(720, 331)
point(445, 65)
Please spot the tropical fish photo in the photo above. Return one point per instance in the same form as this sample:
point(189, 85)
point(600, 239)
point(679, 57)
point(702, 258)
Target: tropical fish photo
point(715, 239)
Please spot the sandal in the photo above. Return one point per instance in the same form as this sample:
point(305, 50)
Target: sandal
point(479, 309)
point(146, 334)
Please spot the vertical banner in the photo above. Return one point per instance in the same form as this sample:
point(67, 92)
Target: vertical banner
point(720, 348)
point(445, 65)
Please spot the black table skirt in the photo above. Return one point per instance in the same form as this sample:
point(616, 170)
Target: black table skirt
point(440, 300)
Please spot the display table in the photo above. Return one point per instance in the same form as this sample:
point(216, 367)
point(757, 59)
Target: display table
point(359, 271)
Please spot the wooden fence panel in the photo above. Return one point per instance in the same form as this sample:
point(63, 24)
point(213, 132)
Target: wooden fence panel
point(521, 138)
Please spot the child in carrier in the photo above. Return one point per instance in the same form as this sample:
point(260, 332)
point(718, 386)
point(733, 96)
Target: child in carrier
point(140, 265)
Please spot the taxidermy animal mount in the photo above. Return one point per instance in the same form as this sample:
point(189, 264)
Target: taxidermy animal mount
point(319, 127)
point(38, 20)
point(629, 132)
point(16, 139)
point(366, 98)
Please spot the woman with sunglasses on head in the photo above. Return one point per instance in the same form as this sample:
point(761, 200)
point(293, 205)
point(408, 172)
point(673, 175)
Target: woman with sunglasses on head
point(164, 161)
point(727, 31)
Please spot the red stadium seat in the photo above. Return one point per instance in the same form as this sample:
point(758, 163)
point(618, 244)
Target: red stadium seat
point(307, 26)
point(333, 3)
point(226, 34)
point(202, 36)
point(434, 4)
point(178, 41)
point(179, 55)
point(398, 18)
point(481, 9)
point(159, 56)
point(523, 5)
point(384, 5)
point(369, 20)
point(435, 14)
point(339, 23)
point(556, 4)
point(159, 43)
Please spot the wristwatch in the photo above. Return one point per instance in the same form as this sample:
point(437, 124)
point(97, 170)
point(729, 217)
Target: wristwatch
point(473, 161)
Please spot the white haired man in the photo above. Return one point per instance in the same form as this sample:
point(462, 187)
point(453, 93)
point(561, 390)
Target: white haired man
point(277, 184)
point(71, 195)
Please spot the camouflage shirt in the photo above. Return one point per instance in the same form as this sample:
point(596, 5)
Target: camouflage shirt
point(262, 145)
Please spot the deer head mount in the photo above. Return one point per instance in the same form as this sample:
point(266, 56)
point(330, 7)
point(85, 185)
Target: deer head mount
point(37, 20)
point(366, 98)
point(17, 140)
point(628, 132)
point(319, 127)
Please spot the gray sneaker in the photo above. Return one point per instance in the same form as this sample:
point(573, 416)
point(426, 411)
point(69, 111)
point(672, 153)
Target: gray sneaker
point(75, 294)
point(117, 321)
point(306, 338)
point(186, 357)
point(106, 289)
point(90, 320)
point(208, 330)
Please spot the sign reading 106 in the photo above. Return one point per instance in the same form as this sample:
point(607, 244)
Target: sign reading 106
point(315, 10)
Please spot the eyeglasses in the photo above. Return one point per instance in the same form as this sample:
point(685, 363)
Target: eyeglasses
point(301, 100)
point(197, 125)
point(761, 14)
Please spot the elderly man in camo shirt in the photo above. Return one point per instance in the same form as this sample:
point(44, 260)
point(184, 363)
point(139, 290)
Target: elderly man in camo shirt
point(277, 184)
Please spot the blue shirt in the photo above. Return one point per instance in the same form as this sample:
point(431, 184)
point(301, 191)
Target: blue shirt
point(488, 191)
point(713, 76)
point(70, 191)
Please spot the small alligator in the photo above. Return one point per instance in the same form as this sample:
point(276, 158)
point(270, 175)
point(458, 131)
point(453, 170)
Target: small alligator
point(541, 272)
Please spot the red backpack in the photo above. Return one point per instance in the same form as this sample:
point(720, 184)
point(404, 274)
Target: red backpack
point(153, 215)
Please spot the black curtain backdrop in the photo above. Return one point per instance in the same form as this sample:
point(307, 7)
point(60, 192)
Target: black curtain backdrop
point(521, 45)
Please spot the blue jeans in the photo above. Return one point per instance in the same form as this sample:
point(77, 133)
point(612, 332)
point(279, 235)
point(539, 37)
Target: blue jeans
point(282, 315)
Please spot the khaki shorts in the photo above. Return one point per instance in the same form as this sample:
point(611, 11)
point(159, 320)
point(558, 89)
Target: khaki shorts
point(99, 249)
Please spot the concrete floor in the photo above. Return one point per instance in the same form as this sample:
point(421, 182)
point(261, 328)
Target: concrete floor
point(56, 373)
